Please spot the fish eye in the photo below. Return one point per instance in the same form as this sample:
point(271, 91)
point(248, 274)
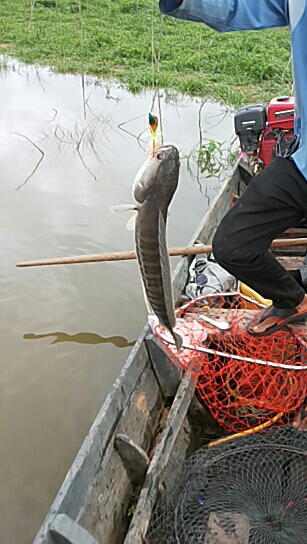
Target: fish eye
point(160, 156)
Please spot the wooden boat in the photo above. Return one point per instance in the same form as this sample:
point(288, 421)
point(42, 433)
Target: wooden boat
point(149, 423)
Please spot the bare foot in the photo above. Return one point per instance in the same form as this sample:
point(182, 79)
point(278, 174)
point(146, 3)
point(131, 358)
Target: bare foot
point(266, 324)
point(299, 421)
point(270, 321)
point(302, 307)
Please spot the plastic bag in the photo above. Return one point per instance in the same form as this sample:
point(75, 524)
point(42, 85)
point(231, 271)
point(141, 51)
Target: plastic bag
point(207, 277)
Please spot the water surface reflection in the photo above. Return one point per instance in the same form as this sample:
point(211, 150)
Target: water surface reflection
point(81, 338)
point(50, 391)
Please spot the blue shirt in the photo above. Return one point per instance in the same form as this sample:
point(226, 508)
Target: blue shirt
point(229, 15)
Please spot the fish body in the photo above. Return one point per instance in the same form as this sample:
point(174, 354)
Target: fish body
point(153, 190)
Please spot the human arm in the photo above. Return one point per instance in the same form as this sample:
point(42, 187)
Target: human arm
point(228, 15)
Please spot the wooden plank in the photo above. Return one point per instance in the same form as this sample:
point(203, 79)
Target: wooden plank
point(168, 375)
point(161, 456)
point(64, 530)
point(134, 458)
point(294, 232)
point(106, 503)
point(295, 251)
point(291, 264)
point(179, 452)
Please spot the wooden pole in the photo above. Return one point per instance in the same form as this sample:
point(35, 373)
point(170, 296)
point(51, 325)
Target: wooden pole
point(119, 256)
point(128, 255)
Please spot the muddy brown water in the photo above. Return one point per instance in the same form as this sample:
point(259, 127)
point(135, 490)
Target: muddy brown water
point(66, 331)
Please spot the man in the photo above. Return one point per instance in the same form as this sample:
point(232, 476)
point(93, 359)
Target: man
point(276, 199)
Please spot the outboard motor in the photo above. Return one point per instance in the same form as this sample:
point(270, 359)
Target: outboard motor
point(250, 122)
point(266, 131)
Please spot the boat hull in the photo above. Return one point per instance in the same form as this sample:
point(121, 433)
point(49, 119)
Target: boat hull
point(148, 399)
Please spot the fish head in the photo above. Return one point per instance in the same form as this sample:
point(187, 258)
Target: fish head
point(158, 175)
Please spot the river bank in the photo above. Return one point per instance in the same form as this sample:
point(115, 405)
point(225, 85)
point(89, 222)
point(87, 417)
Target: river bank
point(129, 41)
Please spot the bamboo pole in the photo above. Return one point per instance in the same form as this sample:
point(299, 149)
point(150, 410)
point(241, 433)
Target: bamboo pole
point(129, 255)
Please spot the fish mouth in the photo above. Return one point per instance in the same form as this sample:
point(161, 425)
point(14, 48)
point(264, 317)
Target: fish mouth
point(164, 151)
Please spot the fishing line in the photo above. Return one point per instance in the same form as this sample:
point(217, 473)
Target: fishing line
point(155, 66)
point(152, 47)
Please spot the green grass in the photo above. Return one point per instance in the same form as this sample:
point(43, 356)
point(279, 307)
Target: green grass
point(234, 68)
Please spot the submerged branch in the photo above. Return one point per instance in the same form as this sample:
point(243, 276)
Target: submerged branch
point(38, 162)
point(54, 116)
point(138, 137)
point(84, 163)
point(89, 138)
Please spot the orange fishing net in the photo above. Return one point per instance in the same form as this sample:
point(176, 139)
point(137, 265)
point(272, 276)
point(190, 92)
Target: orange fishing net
point(244, 381)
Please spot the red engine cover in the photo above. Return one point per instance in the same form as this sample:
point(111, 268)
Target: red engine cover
point(281, 113)
point(280, 117)
point(267, 145)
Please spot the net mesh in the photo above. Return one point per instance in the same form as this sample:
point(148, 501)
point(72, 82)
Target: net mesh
point(243, 380)
point(250, 491)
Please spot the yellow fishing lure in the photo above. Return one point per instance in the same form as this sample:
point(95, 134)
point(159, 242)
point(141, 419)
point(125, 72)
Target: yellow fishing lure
point(153, 127)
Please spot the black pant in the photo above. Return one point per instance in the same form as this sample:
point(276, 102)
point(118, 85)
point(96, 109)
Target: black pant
point(274, 200)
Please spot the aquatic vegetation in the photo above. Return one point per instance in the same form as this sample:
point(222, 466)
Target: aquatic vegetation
point(211, 159)
point(130, 40)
